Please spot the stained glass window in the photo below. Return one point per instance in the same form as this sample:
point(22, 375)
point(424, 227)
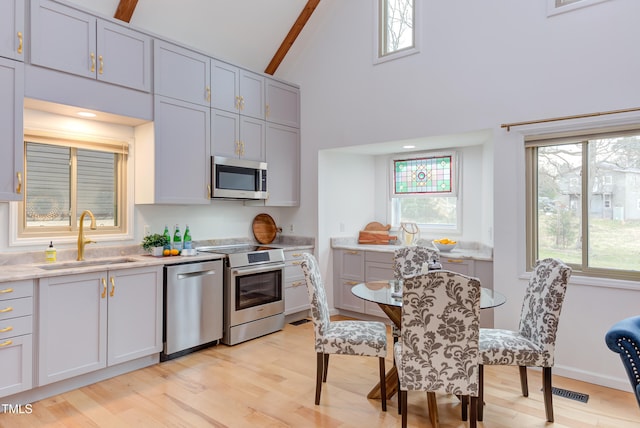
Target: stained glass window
point(423, 175)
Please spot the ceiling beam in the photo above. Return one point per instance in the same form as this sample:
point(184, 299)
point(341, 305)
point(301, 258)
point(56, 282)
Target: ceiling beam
point(125, 9)
point(291, 37)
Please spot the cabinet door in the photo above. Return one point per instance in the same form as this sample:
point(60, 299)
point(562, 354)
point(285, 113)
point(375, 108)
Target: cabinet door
point(182, 152)
point(135, 314)
point(124, 56)
point(351, 264)
point(252, 139)
point(11, 106)
point(12, 36)
point(72, 326)
point(283, 165)
point(375, 271)
point(283, 103)
point(225, 87)
point(181, 74)
point(16, 359)
point(225, 133)
point(252, 94)
point(63, 38)
point(349, 271)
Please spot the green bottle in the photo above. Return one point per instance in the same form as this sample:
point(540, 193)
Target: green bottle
point(177, 239)
point(168, 236)
point(187, 239)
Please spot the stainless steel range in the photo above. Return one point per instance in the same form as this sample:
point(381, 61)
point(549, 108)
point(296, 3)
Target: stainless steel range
point(253, 291)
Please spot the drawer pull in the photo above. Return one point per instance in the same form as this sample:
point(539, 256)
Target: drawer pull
point(6, 290)
point(455, 261)
point(296, 255)
point(5, 310)
point(6, 343)
point(297, 283)
point(352, 252)
point(351, 282)
point(6, 329)
point(296, 263)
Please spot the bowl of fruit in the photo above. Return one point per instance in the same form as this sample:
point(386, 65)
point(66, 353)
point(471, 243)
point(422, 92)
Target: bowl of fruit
point(444, 244)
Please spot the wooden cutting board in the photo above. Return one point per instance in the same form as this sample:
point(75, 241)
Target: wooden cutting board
point(264, 228)
point(378, 237)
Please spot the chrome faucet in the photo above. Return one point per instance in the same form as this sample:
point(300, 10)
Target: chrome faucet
point(81, 239)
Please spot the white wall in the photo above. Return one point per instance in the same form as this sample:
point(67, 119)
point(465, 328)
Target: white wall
point(481, 64)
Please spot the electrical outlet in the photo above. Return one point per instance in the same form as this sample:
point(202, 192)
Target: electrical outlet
point(291, 228)
point(146, 229)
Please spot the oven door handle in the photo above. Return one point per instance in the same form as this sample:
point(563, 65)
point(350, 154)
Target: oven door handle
point(260, 269)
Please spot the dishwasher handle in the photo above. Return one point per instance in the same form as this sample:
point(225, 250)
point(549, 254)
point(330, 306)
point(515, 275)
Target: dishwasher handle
point(196, 274)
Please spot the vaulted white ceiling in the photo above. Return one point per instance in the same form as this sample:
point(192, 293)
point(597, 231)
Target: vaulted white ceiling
point(245, 32)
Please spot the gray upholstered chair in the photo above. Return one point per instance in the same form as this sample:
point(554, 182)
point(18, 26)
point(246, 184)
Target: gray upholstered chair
point(438, 348)
point(624, 338)
point(366, 338)
point(409, 261)
point(533, 345)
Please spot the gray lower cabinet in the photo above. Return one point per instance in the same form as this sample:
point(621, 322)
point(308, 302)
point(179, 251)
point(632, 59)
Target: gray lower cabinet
point(16, 338)
point(296, 296)
point(94, 320)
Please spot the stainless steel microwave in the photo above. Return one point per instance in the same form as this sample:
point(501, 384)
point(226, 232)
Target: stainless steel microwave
point(238, 178)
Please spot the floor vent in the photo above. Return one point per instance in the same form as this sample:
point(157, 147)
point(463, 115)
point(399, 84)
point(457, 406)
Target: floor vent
point(299, 322)
point(577, 396)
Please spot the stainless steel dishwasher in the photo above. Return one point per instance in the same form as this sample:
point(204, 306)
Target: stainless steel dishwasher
point(193, 313)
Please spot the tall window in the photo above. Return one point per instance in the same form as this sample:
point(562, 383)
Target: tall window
point(396, 28)
point(424, 191)
point(65, 177)
point(582, 203)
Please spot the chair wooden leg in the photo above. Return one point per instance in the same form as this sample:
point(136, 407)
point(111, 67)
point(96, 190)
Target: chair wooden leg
point(319, 374)
point(547, 391)
point(383, 385)
point(326, 367)
point(523, 381)
point(464, 401)
point(475, 405)
point(399, 395)
point(403, 406)
point(480, 404)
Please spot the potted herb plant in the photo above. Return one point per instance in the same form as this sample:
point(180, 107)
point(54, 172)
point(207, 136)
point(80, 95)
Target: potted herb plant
point(154, 244)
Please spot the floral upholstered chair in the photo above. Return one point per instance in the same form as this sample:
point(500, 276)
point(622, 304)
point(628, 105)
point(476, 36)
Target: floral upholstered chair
point(409, 261)
point(624, 338)
point(533, 345)
point(366, 338)
point(438, 348)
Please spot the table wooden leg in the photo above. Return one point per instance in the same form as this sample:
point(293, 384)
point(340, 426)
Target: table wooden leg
point(391, 382)
point(433, 409)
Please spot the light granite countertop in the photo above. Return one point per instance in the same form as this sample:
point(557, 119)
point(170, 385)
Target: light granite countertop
point(464, 250)
point(32, 265)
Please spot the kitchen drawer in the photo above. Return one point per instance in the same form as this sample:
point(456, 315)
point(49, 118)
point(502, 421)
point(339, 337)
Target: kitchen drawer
point(296, 297)
point(294, 255)
point(15, 327)
point(16, 289)
point(13, 308)
point(379, 257)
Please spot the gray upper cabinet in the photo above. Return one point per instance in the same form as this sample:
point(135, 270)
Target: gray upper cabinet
point(12, 35)
point(283, 103)
point(283, 165)
point(181, 73)
point(68, 40)
point(237, 90)
point(11, 106)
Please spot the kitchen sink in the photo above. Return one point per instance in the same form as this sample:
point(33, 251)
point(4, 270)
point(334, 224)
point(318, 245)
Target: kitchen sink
point(86, 263)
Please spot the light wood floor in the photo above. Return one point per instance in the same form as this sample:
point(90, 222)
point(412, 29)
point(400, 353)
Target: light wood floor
point(270, 381)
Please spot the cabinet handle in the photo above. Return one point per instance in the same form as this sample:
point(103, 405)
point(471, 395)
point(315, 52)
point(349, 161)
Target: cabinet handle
point(113, 286)
point(19, 42)
point(351, 252)
point(6, 343)
point(296, 263)
point(241, 103)
point(241, 149)
point(6, 329)
point(454, 261)
point(6, 290)
point(5, 310)
point(101, 69)
point(237, 103)
point(19, 188)
point(104, 288)
point(208, 92)
point(266, 111)
point(351, 282)
point(297, 255)
point(297, 283)
point(93, 62)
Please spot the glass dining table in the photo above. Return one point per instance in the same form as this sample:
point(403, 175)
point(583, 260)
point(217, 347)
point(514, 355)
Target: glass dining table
point(381, 292)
